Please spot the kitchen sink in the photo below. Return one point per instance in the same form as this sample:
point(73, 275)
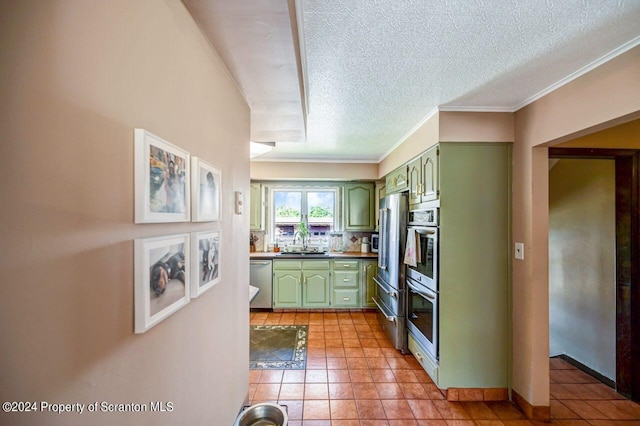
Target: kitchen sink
point(303, 253)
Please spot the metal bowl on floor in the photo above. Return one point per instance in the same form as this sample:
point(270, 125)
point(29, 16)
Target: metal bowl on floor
point(263, 414)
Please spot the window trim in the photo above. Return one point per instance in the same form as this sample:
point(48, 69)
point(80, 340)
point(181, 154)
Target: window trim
point(304, 188)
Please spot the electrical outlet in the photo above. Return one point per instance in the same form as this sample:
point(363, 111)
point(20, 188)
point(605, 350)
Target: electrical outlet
point(519, 251)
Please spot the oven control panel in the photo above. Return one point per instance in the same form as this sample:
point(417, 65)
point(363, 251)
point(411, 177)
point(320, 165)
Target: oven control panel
point(428, 217)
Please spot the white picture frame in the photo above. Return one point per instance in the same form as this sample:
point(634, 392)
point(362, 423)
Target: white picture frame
point(162, 273)
point(205, 261)
point(162, 180)
point(206, 191)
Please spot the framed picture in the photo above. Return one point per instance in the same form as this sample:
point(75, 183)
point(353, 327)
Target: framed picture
point(161, 278)
point(205, 191)
point(205, 263)
point(162, 180)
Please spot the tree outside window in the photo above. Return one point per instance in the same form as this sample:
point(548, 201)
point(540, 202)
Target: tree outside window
point(315, 208)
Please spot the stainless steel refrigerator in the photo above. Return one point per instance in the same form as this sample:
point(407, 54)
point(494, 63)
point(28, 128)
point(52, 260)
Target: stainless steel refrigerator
point(390, 279)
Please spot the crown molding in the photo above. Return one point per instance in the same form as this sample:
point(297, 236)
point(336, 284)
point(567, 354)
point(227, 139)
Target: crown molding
point(406, 136)
point(579, 73)
point(313, 160)
point(454, 108)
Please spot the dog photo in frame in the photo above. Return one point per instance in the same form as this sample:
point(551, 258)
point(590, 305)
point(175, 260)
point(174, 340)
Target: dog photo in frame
point(205, 247)
point(161, 278)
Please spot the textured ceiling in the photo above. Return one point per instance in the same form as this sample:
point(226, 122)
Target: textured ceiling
point(375, 69)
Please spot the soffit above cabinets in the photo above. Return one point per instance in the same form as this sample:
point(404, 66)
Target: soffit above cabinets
point(255, 40)
point(366, 72)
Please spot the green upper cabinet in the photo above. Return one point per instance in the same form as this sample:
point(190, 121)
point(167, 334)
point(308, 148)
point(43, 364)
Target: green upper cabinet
point(430, 189)
point(256, 209)
point(397, 180)
point(359, 205)
point(415, 181)
point(423, 177)
point(381, 192)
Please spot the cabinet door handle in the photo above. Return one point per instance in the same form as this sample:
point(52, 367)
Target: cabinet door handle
point(305, 280)
point(419, 356)
point(346, 280)
point(346, 299)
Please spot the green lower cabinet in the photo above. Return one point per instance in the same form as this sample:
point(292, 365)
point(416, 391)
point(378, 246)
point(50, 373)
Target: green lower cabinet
point(316, 285)
point(369, 286)
point(345, 298)
point(345, 279)
point(305, 284)
point(346, 284)
point(287, 289)
point(324, 283)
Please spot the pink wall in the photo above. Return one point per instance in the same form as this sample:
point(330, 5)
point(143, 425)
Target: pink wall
point(603, 97)
point(476, 126)
point(422, 138)
point(76, 78)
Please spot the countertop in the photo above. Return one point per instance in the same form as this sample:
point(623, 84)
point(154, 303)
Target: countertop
point(329, 255)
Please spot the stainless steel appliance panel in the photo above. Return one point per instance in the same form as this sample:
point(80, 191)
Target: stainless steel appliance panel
point(391, 298)
point(375, 243)
point(393, 326)
point(425, 217)
point(422, 316)
point(393, 222)
point(426, 269)
point(261, 276)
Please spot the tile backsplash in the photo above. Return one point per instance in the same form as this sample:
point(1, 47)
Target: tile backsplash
point(337, 241)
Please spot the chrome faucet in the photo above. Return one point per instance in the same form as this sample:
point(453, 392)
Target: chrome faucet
point(302, 237)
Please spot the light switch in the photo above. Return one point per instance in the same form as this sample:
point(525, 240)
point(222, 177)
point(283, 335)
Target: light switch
point(519, 251)
point(239, 202)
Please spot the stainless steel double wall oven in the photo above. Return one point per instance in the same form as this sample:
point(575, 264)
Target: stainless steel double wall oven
point(422, 280)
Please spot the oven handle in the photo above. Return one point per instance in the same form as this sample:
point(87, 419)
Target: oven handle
point(415, 290)
point(389, 318)
point(390, 293)
point(425, 231)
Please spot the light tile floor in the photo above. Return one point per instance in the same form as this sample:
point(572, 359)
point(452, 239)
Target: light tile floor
point(354, 377)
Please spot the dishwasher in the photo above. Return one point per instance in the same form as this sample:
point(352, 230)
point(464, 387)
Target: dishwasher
point(261, 276)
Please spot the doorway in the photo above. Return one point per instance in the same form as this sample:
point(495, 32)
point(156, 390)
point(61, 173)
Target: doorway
point(615, 359)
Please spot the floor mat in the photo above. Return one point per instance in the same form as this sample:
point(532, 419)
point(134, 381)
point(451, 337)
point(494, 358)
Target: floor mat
point(282, 347)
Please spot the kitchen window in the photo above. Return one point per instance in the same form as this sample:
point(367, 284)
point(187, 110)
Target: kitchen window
point(315, 207)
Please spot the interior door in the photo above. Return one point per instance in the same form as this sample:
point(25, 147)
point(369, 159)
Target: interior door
point(627, 187)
